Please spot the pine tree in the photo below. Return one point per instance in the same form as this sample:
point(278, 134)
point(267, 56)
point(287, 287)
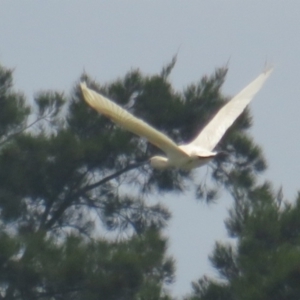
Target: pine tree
point(265, 262)
point(71, 171)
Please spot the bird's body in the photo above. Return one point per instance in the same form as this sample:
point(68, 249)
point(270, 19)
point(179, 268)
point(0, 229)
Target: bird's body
point(189, 156)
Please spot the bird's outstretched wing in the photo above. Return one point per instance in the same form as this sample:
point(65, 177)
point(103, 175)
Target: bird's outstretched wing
point(122, 117)
point(216, 128)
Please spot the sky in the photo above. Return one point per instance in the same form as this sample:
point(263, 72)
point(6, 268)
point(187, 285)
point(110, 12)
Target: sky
point(50, 43)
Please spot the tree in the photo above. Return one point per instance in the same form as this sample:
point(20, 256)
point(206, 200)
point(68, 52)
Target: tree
point(14, 112)
point(61, 178)
point(265, 262)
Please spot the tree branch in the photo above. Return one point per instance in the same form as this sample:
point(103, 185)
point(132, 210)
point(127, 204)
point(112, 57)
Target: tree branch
point(58, 213)
point(22, 130)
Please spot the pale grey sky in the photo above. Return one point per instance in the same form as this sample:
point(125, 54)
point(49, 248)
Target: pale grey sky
point(50, 43)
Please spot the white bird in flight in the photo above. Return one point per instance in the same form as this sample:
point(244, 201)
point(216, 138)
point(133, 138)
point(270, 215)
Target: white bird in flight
point(188, 156)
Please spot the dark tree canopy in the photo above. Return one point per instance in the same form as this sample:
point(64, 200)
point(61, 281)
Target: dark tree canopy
point(265, 262)
point(67, 174)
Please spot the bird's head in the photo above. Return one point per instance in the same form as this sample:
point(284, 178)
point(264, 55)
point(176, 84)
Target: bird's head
point(159, 162)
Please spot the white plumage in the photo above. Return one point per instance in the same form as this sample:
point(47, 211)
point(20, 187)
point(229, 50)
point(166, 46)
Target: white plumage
point(188, 156)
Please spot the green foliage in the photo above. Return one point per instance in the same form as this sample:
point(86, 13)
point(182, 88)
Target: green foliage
point(43, 268)
point(265, 262)
point(13, 112)
point(70, 176)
